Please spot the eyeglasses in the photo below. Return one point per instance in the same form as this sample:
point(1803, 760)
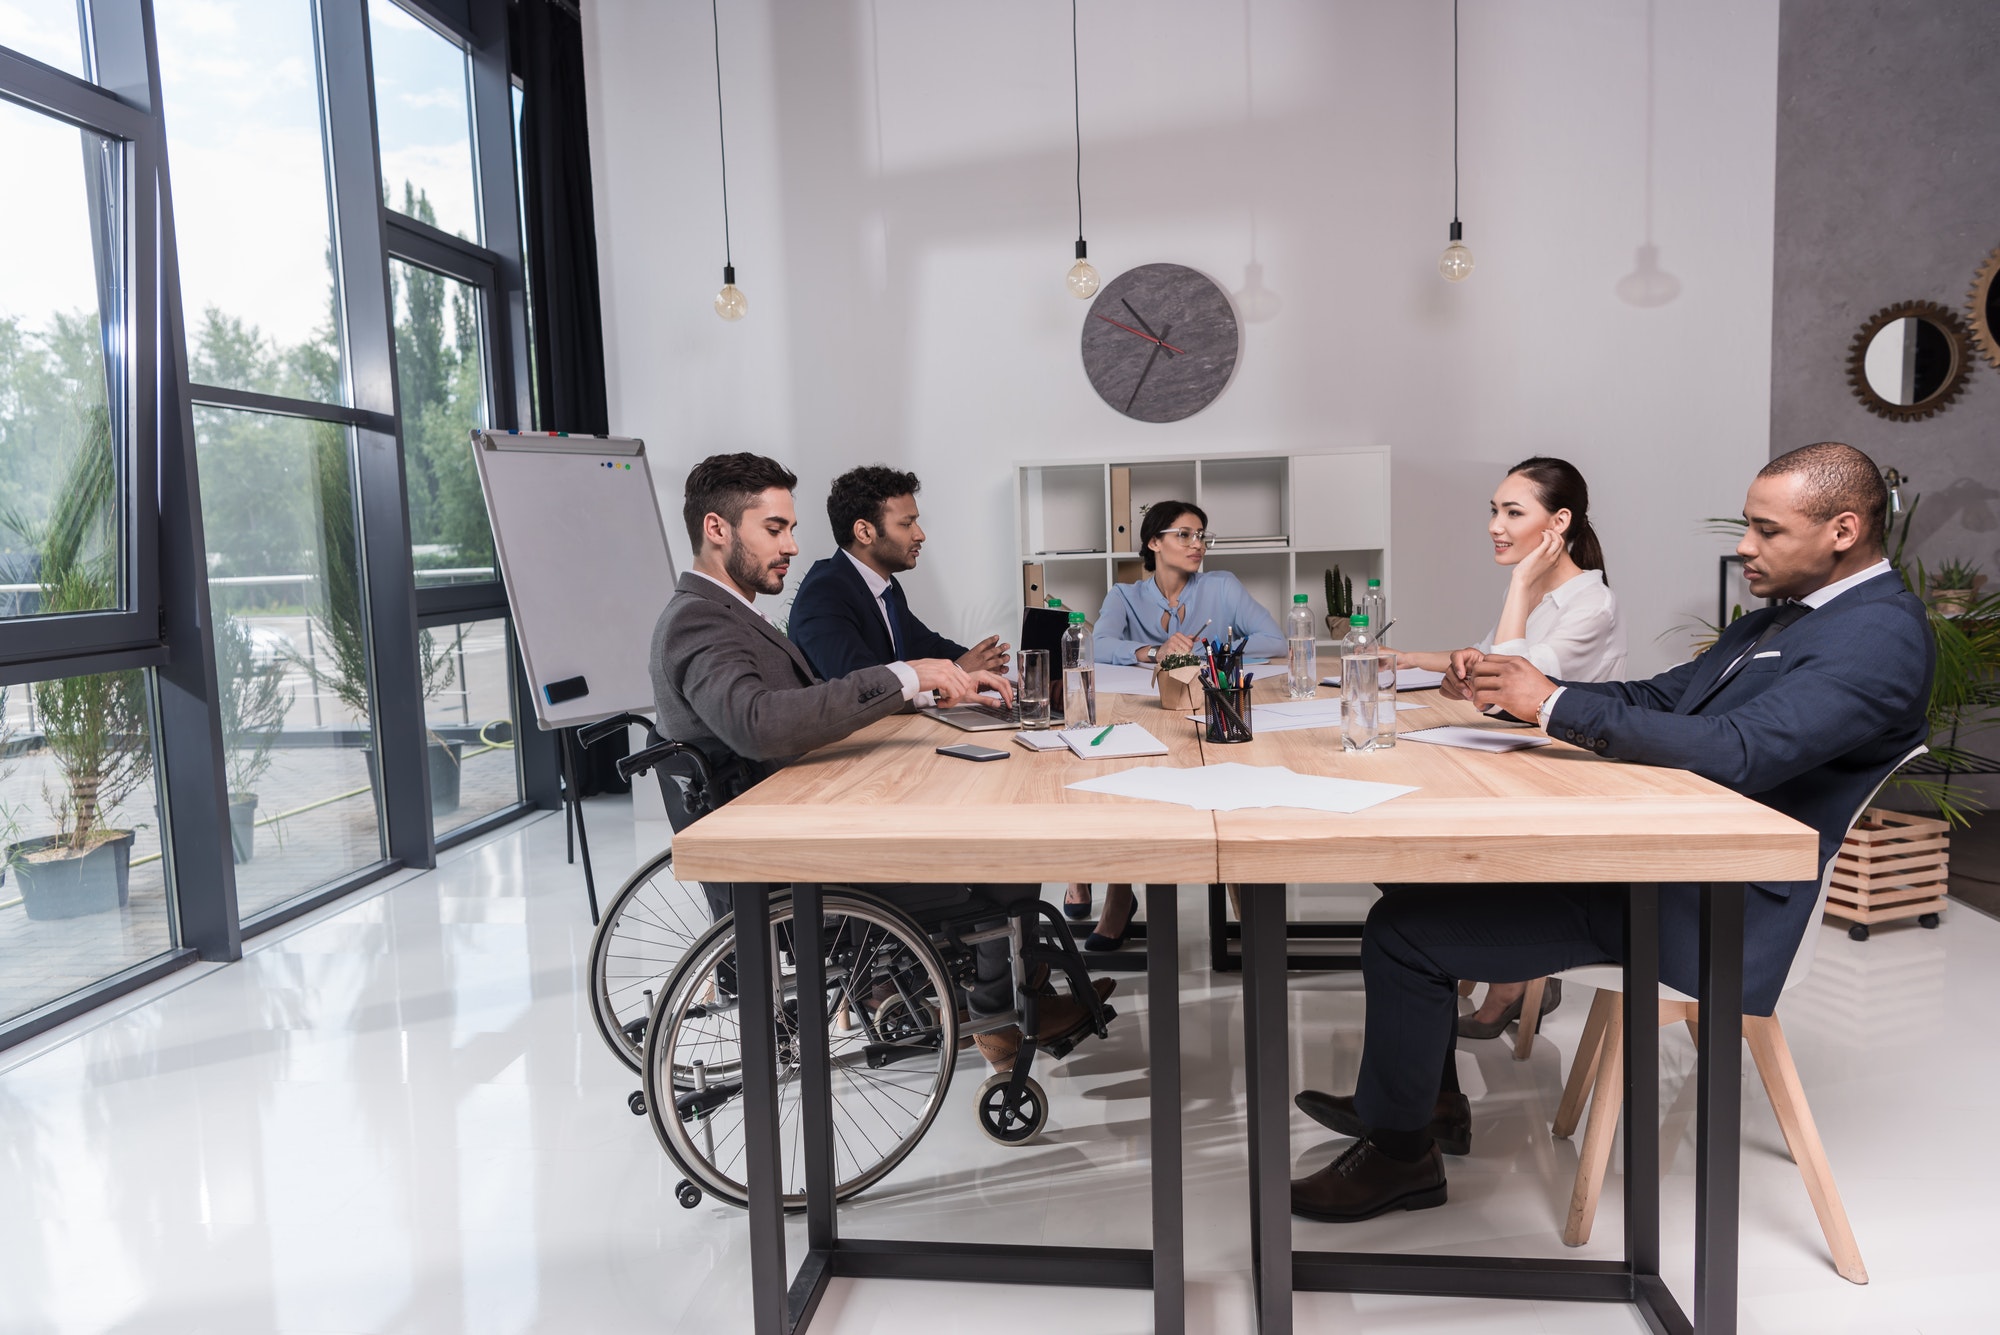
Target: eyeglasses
point(1191, 537)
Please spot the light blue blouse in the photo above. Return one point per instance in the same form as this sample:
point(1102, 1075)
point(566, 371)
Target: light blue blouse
point(1131, 616)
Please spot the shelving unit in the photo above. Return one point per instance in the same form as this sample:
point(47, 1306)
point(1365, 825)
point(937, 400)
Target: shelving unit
point(1077, 522)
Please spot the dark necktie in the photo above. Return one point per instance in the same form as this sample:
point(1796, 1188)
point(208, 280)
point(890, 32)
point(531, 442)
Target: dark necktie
point(891, 597)
point(1786, 615)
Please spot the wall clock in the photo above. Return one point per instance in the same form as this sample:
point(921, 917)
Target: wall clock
point(1160, 342)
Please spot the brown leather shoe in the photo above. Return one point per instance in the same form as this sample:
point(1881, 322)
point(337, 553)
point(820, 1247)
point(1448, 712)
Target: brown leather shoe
point(1451, 1118)
point(1054, 1017)
point(1364, 1182)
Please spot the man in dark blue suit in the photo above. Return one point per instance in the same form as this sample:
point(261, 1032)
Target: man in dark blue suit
point(1805, 706)
point(850, 613)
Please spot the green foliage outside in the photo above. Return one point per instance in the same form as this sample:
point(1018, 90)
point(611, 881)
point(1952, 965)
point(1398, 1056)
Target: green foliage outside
point(253, 705)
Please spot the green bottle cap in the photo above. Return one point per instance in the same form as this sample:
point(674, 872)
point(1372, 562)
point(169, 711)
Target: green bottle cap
point(1076, 618)
point(1054, 601)
point(1374, 583)
point(1358, 621)
point(1298, 597)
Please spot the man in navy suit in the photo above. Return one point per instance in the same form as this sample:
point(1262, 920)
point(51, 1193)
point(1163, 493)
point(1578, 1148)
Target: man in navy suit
point(1805, 706)
point(850, 613)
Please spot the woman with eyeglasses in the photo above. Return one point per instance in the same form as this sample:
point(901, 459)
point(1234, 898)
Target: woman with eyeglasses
point(1559, 614)
point(1160, 616)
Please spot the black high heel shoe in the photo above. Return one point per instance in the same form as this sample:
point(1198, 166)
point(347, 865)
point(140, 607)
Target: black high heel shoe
point(1075, 911)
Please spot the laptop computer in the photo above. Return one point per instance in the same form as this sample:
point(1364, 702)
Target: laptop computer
point(1041, 628)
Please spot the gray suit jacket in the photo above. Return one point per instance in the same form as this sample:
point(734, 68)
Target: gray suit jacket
point(729, 682)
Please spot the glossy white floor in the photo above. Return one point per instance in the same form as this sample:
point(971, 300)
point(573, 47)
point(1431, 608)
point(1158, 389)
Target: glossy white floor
point(396, 1117)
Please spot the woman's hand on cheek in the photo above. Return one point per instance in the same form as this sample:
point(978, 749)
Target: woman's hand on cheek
point(1542, 557)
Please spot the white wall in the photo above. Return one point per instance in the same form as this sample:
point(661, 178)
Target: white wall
point(902, 215)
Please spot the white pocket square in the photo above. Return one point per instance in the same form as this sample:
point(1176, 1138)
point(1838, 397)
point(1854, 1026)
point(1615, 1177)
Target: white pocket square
point(1770, 653)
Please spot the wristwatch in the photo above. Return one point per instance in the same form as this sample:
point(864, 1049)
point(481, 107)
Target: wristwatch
point(1153, 648)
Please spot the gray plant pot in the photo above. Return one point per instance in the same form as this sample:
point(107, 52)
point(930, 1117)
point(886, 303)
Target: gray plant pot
point(445, 767)
point(70, 887)
point(242, 826)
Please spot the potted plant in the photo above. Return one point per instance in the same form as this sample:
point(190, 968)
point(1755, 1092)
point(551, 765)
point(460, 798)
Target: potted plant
point(1176, 676)
point(252, 703)
point(1955, 587)
point(1339, 602)
point(340, 621)
point(95, 727)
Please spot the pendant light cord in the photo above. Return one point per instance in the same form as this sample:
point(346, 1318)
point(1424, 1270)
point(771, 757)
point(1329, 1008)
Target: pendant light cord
point(1076, 106)
point(1454, 110)
point(722, 141)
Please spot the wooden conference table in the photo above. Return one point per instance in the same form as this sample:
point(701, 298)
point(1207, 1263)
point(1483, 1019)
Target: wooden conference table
point(881, 806)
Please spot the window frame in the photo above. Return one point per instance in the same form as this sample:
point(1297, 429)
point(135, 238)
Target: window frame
point(134, 635)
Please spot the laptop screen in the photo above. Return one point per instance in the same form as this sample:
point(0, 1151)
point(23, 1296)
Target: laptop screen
point(1042, 628)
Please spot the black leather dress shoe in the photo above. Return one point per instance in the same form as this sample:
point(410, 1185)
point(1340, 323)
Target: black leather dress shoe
point(1451, 1119)
point(1364, 1182)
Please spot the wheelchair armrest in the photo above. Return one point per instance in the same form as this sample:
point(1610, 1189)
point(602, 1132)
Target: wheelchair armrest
point(639, 762)
point(596, 732)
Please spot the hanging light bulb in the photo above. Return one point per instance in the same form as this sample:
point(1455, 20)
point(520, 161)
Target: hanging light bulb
point(730, 303)
point(1083, 279)
point(1456, 262)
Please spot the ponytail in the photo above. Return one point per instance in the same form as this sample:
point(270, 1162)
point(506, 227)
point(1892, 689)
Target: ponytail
point(1561, 487)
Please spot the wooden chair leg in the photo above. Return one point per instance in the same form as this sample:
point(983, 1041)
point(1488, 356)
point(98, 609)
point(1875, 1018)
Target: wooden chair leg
point(1583, 1067)
point(1594, 1159)
point(1465, 986)
point(1788, 1099)
point(1531, 1018)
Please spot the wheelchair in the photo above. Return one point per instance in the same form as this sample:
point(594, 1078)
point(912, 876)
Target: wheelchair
point(665, 1002)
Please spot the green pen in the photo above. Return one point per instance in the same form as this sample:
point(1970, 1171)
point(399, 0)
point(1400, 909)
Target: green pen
point(1102, 735)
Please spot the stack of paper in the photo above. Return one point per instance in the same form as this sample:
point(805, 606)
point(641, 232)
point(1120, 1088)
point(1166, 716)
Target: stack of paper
point(1233, 787)
point(1476, 739)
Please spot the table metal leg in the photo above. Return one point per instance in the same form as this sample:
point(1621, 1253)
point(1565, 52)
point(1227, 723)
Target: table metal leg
point(1642, 1080)
point(1163, 1032)
point(1267, 1095)
point(815, 1102)
point(1719, 1070)
point(762, 1173)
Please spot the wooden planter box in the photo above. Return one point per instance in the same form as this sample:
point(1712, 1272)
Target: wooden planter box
point(1892, 865)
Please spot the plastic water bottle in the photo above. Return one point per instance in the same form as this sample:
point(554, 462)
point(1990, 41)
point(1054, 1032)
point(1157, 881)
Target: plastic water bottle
point(1300, 635)
point(1375, 606)
point(1360, 688)
point(1079, 658)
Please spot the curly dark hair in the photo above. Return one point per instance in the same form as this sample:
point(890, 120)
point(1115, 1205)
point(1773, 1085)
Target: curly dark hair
point(1160, 516)
point(859, 493)
point(725, 484)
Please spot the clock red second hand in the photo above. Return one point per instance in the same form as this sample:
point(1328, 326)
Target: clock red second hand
point(1148, 337)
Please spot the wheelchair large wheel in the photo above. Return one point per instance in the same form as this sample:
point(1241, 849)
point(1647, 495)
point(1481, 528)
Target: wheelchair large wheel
point(892, 1040)
point(652, 921)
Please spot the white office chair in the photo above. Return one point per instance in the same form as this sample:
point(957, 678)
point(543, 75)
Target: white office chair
point(1598, 1074)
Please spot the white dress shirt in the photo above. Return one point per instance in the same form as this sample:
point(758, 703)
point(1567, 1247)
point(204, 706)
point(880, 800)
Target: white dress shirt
point(878, 585)
point(1573, 632)
point(905, 674)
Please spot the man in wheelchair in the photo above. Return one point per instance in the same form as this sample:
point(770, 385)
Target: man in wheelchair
point(729, 684)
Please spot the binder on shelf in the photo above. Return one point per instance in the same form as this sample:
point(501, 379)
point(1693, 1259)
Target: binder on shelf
point(1031, 584)
point(1128, 570)
point(1124, 533)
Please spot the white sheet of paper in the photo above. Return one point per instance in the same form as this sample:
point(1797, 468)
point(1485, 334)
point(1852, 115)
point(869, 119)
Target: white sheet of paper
point(1476, 739)
point(1407, 679)
point(1042, 741)
point(1233, 787)
point(1124, 679)
point(1125, 741)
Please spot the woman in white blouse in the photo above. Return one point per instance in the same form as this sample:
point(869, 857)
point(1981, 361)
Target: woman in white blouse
point(1560, 615)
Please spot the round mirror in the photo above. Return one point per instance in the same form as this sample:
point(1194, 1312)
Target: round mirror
point(1985, 308)
point(1909, 360)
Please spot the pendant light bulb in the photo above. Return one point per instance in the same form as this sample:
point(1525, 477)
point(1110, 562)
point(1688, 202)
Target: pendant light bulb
point(730, 303)
point(1456, 262)
point(1083, 279)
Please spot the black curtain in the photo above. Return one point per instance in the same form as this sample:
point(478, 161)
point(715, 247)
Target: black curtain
point(566, 316)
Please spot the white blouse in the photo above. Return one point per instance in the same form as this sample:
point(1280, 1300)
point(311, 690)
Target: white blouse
point(1573, 633)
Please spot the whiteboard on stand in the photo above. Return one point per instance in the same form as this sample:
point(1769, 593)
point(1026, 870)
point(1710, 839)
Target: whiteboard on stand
point(583, 553)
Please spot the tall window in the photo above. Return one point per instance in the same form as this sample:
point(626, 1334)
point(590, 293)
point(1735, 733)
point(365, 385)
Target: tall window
point(423, 113)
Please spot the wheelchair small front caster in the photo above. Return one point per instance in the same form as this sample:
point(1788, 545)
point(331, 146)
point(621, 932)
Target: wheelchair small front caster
point(1927, 920)
point(687, 1193)
point(636, 1101)
point(1021, 1125)
point(1858, 932)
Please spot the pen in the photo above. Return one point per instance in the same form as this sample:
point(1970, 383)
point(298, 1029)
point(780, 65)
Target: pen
point(1385, 629)
point(1102, 735)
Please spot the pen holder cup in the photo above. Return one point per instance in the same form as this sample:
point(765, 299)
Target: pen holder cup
point(1228, 712)
point(1180, 690)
